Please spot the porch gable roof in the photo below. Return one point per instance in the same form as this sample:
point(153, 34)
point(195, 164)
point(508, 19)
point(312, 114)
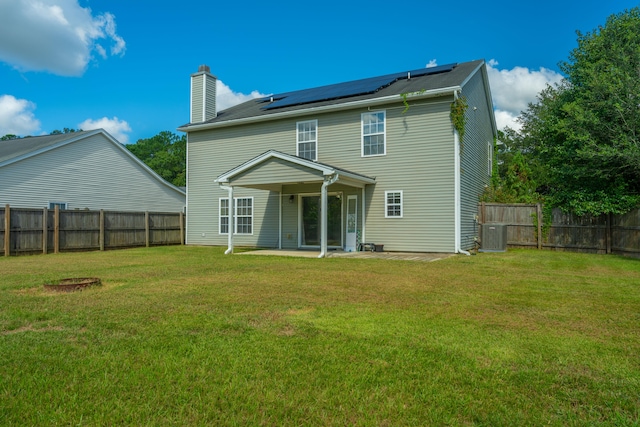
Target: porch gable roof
point(319, 170)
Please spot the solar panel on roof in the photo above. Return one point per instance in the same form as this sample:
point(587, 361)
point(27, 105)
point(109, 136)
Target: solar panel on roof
point(346, 89)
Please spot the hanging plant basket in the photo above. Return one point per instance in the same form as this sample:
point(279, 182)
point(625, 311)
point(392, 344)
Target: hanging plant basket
point(72, 284)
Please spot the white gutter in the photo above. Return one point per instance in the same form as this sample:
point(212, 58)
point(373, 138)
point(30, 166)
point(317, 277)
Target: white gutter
point(321, 109)
point(186, 228)
point(324, 209)
point(280, 220)
point(457, 192)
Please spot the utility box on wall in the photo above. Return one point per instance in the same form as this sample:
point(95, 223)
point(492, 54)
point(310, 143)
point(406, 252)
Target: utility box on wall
point(494, 238)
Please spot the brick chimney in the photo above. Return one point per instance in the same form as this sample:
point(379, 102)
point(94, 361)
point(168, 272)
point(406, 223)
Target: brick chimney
point(203, 95)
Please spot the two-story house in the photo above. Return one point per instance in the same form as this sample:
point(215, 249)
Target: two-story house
point(381, 160)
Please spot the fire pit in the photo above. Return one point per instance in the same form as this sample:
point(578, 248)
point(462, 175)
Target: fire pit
point(72, 284)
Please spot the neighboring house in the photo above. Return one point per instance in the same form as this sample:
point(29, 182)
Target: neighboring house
point(339, 165)
point(81, 170)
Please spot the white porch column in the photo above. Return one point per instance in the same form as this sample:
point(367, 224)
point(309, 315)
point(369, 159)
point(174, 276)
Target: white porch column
point(232, 214)
point(364, 217)
point(324, 214)
point(323, 219)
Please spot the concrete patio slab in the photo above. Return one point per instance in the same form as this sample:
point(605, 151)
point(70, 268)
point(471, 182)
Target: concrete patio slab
point(404, 256)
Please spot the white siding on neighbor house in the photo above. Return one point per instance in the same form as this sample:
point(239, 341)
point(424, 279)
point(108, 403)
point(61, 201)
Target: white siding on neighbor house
point(418, 162)
point(475, 156)
point(91, 173)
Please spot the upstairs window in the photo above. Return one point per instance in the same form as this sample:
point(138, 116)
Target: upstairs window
point(373, 134)
point(393, 204)
point(307, 137)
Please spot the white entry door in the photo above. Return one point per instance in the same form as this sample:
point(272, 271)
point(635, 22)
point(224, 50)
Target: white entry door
point(352, 223)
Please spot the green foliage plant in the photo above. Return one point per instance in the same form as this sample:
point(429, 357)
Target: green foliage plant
point(405, 98)
point(458, 115)
point(165, 154)
point(586, 130)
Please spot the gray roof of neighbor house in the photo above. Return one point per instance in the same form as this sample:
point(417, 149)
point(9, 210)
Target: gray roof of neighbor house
point(420, 81)
point(23, 146)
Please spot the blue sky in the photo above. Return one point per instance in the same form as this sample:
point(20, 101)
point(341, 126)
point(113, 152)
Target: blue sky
point(125, 65)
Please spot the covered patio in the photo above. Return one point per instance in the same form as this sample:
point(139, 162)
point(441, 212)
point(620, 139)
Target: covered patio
point(295, 176)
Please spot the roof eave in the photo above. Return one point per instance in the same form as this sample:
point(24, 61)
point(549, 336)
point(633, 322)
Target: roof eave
point(322, 109)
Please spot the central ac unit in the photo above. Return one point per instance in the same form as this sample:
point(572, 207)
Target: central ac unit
point(494, 238)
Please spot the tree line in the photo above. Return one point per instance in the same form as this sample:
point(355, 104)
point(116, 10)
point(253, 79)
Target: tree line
point(578, 147)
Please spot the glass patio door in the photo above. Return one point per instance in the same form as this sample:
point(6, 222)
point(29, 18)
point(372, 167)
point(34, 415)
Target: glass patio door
point(311, 220)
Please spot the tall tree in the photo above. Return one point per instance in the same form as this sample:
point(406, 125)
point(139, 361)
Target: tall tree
point(64, 131)
point(166, 154)
point(585, 130)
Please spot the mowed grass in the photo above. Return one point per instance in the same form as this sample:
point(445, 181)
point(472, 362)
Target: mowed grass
point(189, 336)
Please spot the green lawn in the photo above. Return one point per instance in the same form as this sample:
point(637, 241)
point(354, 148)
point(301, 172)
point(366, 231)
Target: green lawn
point(189, 336)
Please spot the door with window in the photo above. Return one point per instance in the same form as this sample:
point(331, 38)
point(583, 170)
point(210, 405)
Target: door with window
point(352, 224)
point(311, 217)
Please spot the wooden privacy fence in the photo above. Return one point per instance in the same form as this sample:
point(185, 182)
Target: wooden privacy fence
point(605, 234)
point(30, 231)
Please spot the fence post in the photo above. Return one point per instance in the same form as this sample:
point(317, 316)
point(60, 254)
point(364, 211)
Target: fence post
point(146, 229)
point(45, 231)
point(56, 230)
point(7, 230)
point(101, 235)
point(609, 232)
point(540, 221)
point(181, 228)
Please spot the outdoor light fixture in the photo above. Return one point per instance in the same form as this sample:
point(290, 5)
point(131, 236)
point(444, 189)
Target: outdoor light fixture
point(291, 198)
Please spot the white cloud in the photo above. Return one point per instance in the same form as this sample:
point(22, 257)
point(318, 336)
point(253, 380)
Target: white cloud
point(513, 90)
point(16, 116)
point(226, 98)
point(58, 36)
point(116, 128)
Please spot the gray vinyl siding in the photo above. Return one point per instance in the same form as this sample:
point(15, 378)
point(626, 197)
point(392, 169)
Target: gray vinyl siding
point(196, 100)
point(210, 102)
point(475, 156)
point(275, 170)
point(91, 173)
point(418, 161)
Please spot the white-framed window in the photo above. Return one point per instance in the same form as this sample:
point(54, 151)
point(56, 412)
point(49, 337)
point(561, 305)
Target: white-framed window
point(393, 204)
point(223, 216)
point(307, 139)
point(60, 205)
point(374, 133)
point(490, 155)
point(243, 223)
point(244, 215)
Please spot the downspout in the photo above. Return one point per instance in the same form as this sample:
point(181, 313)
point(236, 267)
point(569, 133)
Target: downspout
point(457, 191)
point(231, 218)
point(280, 220)
point(364, 218)
point(323, 208)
